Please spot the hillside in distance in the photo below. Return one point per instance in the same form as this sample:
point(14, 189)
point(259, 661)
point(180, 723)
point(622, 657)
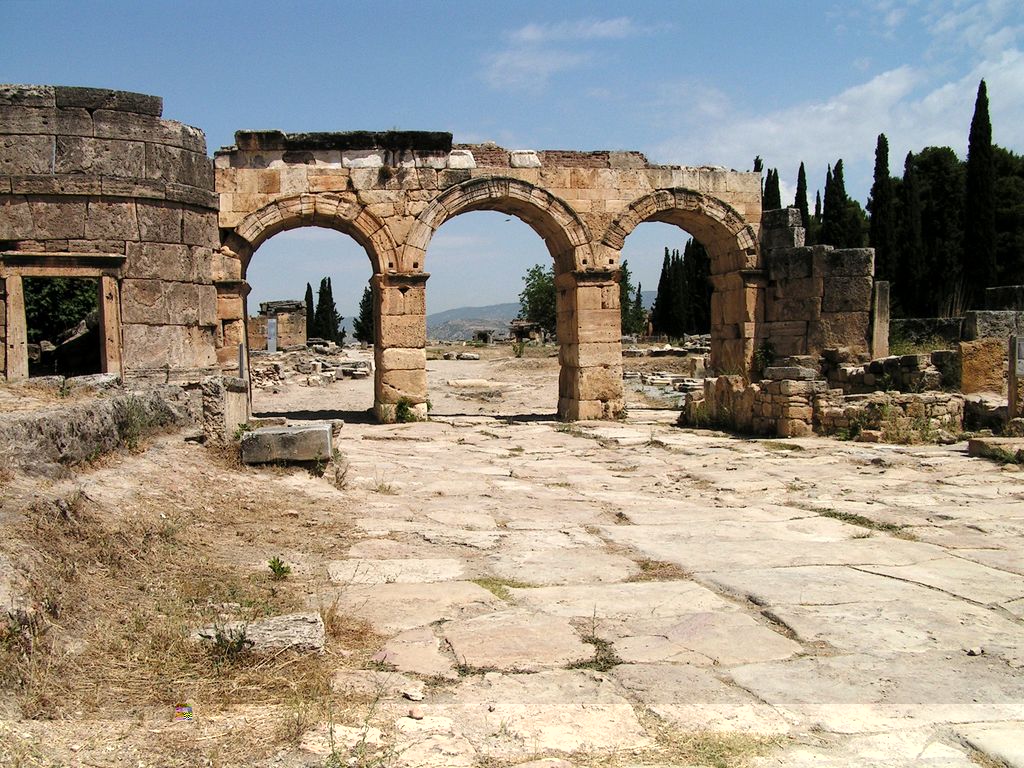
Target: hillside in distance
point(460, 323)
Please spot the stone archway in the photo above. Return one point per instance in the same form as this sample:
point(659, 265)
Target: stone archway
point(587, 294)
point(737, 303)
point(338, 211)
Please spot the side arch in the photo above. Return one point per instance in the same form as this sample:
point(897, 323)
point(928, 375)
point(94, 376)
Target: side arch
point(731, 241)
point(566, 236)
point(737, 277)
point(341, 212)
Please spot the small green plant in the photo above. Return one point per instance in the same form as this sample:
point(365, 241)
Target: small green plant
point(764, 356)
point(500, 587)
point(279, 570)
point(230, 645)
point(240, 430)
point(518, 348)
point(404, 412)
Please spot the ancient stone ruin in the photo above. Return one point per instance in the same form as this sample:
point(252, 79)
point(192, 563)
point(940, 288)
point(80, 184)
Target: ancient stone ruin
point(95, 183)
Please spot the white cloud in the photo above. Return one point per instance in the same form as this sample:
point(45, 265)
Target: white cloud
point(528, 68)
point(537, 51)
point(912, 105)
point(582, 29)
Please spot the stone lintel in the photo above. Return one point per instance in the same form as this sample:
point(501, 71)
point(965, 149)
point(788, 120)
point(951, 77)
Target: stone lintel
point(232, 287)
point(47, 263)
point(395, 141)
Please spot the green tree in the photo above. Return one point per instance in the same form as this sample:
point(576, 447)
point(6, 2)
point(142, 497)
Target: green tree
point(326, 320)
point(843, 222)
point(697, 269)
point(638, 313)
point(628, 319)
point(362, 325)
point(910, 289)
point(537, 300)
point(1009, 215)
point(662, 309)
point(55, 304)
point(772, 199)
point(800, 201)
point(980, 267)
point(882, 206)
point(310, 310)
point(940, 175)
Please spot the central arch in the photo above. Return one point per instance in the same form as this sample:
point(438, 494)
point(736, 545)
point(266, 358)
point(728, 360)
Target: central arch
point(737, 301)
point(561, 228)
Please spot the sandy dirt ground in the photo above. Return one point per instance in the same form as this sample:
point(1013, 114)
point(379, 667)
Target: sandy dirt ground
point(504, 590)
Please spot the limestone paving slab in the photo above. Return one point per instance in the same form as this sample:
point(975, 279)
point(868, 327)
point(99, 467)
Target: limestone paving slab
point(718, 638)
point(694, 699)
point(958, 577)
point(398, 571)
point(418, 651)
point(674, 544)
point(895, 749)
point(515, 641)
point(538, 564)
point(929, 622)
point(629, 601)
point(1002, 741)
point(396, 607)
point(859, 693)
point(516, 716)
point(813, 585)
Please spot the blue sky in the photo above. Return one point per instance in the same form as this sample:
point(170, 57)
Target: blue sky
point(690, 83)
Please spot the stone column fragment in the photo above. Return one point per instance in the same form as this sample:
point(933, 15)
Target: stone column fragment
point(400, 335)
point(16, 341)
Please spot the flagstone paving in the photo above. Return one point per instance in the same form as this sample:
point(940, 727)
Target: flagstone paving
point(616, 589)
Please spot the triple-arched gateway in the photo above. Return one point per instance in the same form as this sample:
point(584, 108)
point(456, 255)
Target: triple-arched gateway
point(391, 192)
point(94, 183)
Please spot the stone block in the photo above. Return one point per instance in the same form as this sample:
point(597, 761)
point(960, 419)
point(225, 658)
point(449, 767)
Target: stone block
point(842, 329)
point(103, 98)
point(992, 324)
point(105, 157)
point(156, 260)
point(397, 385)
point(15, 219)
point(402, 300)
point(792, 428)
point(26, 155)
point(524, 158)
point(590, 354)
point(983, 365)
point(309, 442)
point(847, 294)
point(111, 220)
point(795, 373)
point(408, 331)
point(168, 346)
point(844, 262)
point(200, 228)
point(230, 307)
point(597, 383)
point(461, 159)
point(399, 359)
point(53, 220)
point(159, 222)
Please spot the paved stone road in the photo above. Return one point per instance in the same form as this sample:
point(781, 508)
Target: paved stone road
point(859, 605)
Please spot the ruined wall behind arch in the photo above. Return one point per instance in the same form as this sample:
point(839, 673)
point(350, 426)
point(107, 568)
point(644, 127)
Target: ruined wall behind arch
point(96, 179)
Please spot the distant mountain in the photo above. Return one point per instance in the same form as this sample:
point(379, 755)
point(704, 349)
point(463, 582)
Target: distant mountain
point(460, 323)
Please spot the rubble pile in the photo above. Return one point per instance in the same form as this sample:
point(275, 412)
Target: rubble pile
point(315, 366)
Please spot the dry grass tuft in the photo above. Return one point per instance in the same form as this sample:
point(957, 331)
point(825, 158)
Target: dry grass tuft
point(659, 570)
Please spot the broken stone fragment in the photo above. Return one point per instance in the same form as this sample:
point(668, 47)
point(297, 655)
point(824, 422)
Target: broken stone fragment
point(310, 442)
point(303, 632)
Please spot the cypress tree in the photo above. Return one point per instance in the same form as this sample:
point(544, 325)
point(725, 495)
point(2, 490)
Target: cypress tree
point(637, 314)
point(661, 311)
point(697, 265)
point(626, 315)
point(911, 278)
point(680, 295)
point(801, 200)
point(772, 199)
point(882, 206)
point(362, 325)
point(979, 246)
point(310, 309)
point(829, 228)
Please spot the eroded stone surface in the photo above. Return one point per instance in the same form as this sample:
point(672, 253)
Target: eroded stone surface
point(396, 607)
point(401, 571)
point(416, 650)
point(514, 641)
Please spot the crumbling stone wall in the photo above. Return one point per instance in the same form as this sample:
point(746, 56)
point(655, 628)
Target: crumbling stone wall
point(816, 297)
point(94, 183)
point(889, 416)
